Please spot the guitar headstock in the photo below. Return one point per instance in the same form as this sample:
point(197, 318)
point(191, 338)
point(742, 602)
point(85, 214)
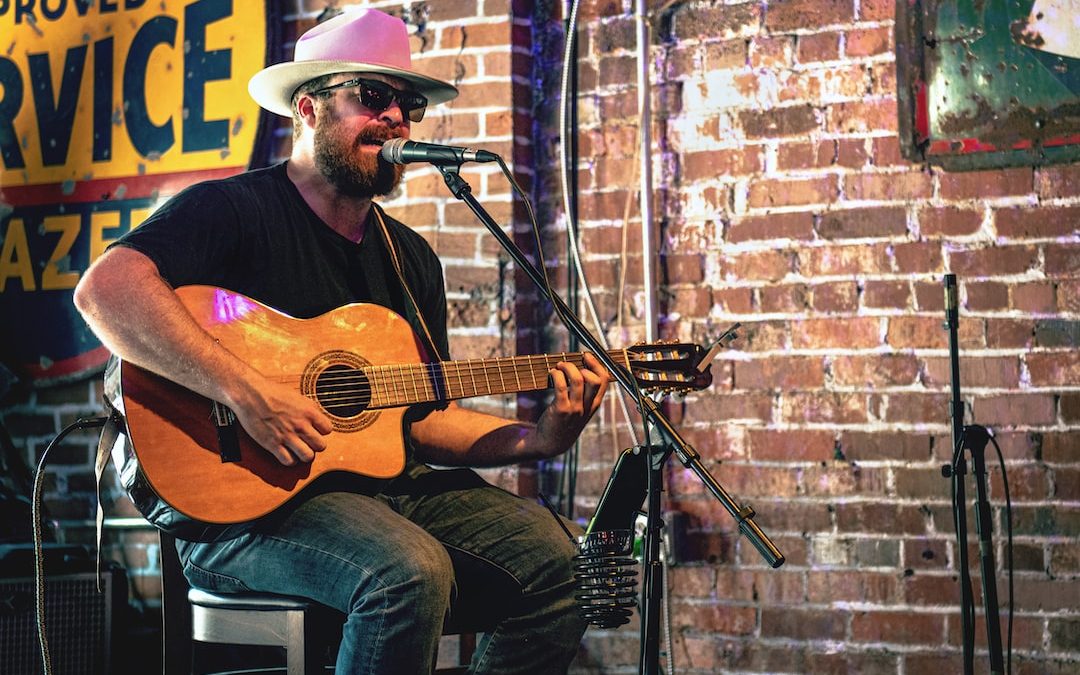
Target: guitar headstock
point(668, 367)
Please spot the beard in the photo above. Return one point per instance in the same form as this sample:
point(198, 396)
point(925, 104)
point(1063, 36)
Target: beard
point(351, 172)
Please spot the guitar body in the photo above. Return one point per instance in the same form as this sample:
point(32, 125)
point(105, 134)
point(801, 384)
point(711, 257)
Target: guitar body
point(361, 363)
point(178, 444)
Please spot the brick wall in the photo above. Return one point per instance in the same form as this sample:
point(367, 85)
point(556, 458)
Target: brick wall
point(784, 204)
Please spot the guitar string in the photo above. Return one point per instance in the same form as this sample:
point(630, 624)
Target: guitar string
point(353, 387)
point(483, 366)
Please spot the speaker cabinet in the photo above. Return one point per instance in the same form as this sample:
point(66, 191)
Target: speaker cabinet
point(79, 623)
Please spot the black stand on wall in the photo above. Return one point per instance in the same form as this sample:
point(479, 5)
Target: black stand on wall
point(974, 439)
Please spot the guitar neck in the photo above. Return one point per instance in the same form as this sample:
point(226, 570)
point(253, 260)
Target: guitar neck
point(401, 385)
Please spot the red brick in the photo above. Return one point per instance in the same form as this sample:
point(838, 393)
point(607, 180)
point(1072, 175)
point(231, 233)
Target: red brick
point(734, 300)
point(710, 164)
point(771, 52)
point(721, 619)
point(771, 226)
point(847, 333)
point(764, 335)
point(844, 260)
point(878, 517)
point(898, 627)
point(906, 332)
point(1054, 368)
point(1016, 409)
point(1010, 333)
point(986, 296)
point(852, 586)
point(918, 257)
point(806, 14)
point(869, 41)
point(862, 116)
point(794, 446)
point(1035, 298)
point(889, 187)
point(723, 55)
point(929, 297)
point(757, 265)
point(1000, 260)
point(839, 479)
point(1026, 222)
point(879, 370)
point(839, 296)
point(877, 10)
point(886, 152)
point(1062, 259)
point(824, 408)
point(1070, 407)
point(917, 408)
point(742, 406)
point(887, 295)
point(778, 122)
point(851, 152)
point(993, 372)
point(803, 625)
point(862, 222)
point(984, 184)
point(712, 22)
point(818, 47)
point(783, 298)
point(949, 222)
point(858, 446)
point(803, 155)
point(1058, 181)
point(782, 373)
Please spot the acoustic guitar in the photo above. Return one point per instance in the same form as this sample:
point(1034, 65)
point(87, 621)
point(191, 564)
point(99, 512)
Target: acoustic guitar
point(363, 365)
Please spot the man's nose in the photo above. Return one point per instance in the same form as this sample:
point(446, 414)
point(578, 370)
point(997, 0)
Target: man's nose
point(393, 116)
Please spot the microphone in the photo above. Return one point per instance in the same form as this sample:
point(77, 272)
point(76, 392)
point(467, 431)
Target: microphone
point(401, 151)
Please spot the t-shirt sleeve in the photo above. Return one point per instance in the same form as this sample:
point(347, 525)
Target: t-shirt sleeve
point(191, 238)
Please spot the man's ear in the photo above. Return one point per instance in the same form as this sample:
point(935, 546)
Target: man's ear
point(305, 108)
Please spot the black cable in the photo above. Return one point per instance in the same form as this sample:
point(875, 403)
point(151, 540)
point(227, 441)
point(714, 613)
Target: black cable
point(35, 514)
point(1009, 548)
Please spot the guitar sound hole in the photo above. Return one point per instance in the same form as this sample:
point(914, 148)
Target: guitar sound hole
point(343, 391)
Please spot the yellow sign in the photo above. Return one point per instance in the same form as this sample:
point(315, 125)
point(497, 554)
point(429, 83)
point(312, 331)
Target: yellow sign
point(100, 89)
point(107, 107)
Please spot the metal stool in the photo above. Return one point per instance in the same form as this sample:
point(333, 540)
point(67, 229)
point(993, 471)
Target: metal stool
point(258, 619)
point(299, 625)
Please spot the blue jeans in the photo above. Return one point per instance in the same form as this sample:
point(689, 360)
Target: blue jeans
point(388, 562)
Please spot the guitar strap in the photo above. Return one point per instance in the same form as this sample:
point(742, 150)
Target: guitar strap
point(109, 433)
point(432, 348)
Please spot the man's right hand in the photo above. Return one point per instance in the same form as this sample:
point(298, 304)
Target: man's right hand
point(287, 424)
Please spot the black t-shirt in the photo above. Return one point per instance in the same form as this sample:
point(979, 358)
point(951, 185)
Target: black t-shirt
point(254, 234)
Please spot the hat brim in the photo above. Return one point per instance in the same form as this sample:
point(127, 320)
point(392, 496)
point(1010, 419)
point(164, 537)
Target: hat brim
point(273, 87)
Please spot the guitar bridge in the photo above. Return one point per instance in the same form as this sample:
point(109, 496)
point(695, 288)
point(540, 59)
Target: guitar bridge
point(228, 439)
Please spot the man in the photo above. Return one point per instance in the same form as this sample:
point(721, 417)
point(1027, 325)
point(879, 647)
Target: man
point(304, 237)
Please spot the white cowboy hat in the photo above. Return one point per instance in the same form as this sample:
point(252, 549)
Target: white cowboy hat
point(365, 41)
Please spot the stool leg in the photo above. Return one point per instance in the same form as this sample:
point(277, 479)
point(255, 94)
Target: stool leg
point(295, 649)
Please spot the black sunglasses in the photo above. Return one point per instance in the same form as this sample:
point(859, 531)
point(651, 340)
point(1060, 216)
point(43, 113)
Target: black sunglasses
point(378, 96)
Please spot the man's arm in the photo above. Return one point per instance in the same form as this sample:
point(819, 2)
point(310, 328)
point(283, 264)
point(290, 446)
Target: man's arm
point(460, 437)
point(136, 314)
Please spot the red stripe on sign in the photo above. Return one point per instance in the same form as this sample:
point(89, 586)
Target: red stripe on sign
point(70, 366)
point(130, 187)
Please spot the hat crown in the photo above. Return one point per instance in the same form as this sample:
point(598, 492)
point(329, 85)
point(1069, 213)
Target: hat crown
point(365, 35)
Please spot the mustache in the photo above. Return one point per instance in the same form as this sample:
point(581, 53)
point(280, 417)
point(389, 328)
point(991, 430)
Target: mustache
point(377, 135)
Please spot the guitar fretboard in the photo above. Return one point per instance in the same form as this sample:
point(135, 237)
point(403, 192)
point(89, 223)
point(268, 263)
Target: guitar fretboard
point(399, 385)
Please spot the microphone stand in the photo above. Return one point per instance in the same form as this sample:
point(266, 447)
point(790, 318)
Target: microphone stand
point(973, 438)
point(650, 411)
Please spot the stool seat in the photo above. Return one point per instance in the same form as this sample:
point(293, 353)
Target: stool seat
point(248, 601)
